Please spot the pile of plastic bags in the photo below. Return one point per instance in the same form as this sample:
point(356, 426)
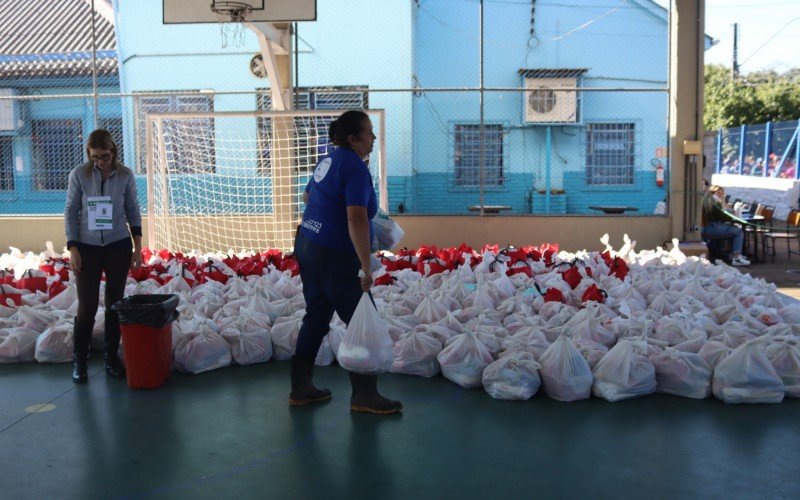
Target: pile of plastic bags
point(615, 324)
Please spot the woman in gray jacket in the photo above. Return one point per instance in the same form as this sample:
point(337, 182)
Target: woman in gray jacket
point(100, 216)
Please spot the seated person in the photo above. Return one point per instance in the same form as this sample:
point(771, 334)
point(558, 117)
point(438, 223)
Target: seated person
point(718, 224)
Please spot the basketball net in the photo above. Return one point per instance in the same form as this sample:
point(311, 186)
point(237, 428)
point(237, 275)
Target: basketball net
point(233, 18)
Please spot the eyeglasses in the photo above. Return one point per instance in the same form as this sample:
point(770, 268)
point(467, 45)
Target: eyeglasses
point(104, 157)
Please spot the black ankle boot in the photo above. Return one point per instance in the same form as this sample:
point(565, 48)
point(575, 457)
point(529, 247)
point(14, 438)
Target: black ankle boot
point(303, 390)
point(114, 366)
point(366, 397)
point(80, 373)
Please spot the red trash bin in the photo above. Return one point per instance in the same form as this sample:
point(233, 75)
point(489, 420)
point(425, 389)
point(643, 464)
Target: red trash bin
point(148, 355)
point(146, 326)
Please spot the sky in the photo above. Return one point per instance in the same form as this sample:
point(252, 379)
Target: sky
point(758, 21)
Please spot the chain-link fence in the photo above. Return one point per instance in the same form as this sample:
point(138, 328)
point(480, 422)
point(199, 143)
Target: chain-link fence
point(500, 106)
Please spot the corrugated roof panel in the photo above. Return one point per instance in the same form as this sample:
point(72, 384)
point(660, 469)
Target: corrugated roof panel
point(47, 27)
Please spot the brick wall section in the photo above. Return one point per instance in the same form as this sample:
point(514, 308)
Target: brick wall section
point(436, 194)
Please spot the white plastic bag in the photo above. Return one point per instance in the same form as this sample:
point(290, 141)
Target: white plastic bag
point(464, 359)
point(202, 352)
point(19, 346)
point(415, 354)
point(325, 355)
point(713, 352)
point(366, 347)
point(784, 355)
point(54, 345)
point(565, 373)
point(747, 376)
point(624, 372)
point(514, 377)
point(284, 337)
point(387, 232)
point(248, 346)
point(682, 374)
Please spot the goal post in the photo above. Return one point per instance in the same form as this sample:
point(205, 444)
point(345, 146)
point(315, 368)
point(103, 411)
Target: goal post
point(223, 181)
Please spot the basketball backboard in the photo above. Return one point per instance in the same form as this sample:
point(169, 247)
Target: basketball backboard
point(199, 11)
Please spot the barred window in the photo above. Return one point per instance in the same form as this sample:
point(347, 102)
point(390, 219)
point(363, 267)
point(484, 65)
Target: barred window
point(6, 164)
point(311, 133)
point(609, 154)
point(57, 148)
point(195, 153)
point(468, 155)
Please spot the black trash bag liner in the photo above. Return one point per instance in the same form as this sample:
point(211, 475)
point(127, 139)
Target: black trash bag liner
point(149, 310)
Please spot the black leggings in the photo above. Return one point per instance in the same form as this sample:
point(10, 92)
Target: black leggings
point(115, 260)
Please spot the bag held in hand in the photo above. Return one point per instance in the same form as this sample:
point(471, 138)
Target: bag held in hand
point(366, 347)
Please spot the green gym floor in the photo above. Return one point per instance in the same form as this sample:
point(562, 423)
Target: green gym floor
point(231, 434)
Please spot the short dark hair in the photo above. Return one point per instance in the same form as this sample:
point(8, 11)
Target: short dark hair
point(349, 123)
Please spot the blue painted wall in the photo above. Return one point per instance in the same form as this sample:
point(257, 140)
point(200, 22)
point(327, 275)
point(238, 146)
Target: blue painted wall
point(26, 199)
point(335, 50)
point(447, 54)
point(430, 44)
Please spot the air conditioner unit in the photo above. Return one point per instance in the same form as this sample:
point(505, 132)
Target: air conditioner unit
point(544, 104)
point(8, 112)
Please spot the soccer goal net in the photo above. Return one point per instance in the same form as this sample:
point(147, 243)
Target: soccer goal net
point(234, 181)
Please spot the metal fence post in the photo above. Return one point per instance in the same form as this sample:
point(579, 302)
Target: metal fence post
point(797, 153)
point(767, 147)
point(742, 135)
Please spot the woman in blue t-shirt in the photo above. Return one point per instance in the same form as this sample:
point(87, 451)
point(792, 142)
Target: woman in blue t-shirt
point(333, 251)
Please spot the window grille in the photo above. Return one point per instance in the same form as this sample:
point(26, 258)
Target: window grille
point(6, 164)
point(311, 134)
point(468, 155)
point(609, 154)
point(196, 155)
point(57, 148)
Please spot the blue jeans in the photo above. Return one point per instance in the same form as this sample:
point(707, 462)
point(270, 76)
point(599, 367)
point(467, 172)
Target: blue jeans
point(723, 230)
point(330, 283)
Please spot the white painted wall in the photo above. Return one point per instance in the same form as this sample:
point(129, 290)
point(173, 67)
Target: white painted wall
point(783, 194)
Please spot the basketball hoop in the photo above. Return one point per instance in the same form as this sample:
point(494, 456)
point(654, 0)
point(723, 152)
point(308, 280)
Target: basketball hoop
point(232, 18)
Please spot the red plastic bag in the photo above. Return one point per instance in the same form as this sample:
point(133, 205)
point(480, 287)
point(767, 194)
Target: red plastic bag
point(250, 267)
point(431, 266)
point(526, 270)
point(384, 279)
point(32, 283)
point(6, 276)
point(595, 294)
point(141, 273)
point(273, 256)
point(396, 265)
point(55, 288)
point(619, 268)
point(15, 298)
point(572, 276)
point(553, 295)
point(209, 271)
point(289, 263)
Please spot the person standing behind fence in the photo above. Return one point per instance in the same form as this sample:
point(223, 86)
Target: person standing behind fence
point(718, 224)
point(332, 246)
point(101, 215)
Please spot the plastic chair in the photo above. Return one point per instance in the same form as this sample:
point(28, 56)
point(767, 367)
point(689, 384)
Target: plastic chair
point(791, 233)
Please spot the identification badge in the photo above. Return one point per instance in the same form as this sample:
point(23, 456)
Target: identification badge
point(101, 213)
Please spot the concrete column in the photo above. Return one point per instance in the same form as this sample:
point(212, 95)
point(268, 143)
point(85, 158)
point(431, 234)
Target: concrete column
point(276, 48)
point(686, 61)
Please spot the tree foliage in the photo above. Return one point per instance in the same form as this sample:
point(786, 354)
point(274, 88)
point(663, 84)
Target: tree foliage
point(756, 97)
